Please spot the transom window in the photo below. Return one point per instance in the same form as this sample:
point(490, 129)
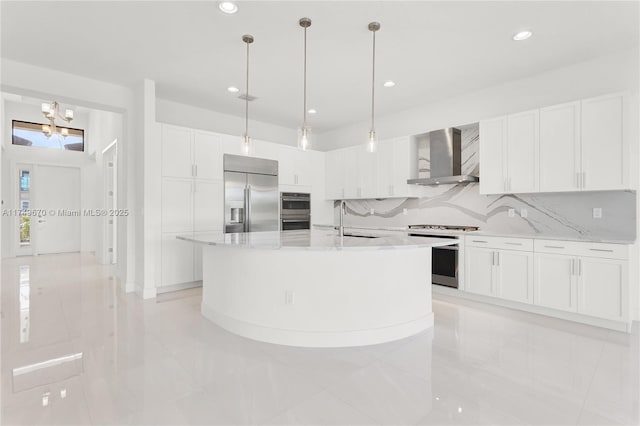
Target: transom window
point(31, 134)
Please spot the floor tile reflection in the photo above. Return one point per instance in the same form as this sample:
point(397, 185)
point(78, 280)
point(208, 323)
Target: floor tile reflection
point(160, 362)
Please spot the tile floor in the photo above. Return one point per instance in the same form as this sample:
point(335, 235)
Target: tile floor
point(160, 362)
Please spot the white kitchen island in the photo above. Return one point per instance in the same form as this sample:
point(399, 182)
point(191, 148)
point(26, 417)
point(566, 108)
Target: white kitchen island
point(314, 288)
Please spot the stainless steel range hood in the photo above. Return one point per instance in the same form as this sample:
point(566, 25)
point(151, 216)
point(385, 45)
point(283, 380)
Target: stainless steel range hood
point(445, 154)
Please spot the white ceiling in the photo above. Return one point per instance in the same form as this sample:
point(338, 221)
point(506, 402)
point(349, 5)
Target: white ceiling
point(432, 50)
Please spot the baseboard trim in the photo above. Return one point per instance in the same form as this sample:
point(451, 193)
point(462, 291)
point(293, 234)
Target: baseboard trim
point(624, 326)
point(178, 287)
point(319, 339)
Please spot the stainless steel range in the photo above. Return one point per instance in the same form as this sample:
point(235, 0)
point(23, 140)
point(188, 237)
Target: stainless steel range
point(444, 260)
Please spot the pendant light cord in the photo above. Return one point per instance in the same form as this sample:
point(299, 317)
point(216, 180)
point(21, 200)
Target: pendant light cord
point(304, 121)
point(373, 83)
point(246, 100)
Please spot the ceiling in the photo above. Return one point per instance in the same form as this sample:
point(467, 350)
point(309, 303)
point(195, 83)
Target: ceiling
point(432, 50)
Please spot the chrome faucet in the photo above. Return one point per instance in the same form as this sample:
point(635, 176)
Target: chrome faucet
point(343, 211)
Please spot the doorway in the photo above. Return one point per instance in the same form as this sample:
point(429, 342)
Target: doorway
point(110, 191)
point(49, 209)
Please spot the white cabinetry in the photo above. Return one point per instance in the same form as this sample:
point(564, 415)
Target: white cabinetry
point(192, 198)
point(522, 152)
point(493, 136)
point(509, 154)
point(587, 278)
point(353, 172)
point(569, 147)
point(493, 268)
point(560, 148)
point(604, 148)
point(294, 166)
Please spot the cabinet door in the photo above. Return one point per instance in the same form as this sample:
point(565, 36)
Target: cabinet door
point(522, 152)
point(385, 161)
point(334, 175)
point(405, 166)
point(176, 151)
point(302, 167)
point(177, 205)
point(366, 180)
point(554, 284)
point(207, 155)
point(603, 144)
point(560, 148)
point(515, 275)
point(602, 288)
point(493, 135)
point(177, 260)
point(208, 206)
point(350, 165)
point(479, 270)
point(286, 172)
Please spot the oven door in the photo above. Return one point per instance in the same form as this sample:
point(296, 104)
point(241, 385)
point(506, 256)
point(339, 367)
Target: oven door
point(444, 265)
point(294, 204)
point(291, 224)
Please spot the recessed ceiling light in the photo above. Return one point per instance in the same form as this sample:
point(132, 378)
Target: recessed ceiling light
point(522, 35)
point(233, 89)
point(312, 111)
point(389, 83)
point(228, 7)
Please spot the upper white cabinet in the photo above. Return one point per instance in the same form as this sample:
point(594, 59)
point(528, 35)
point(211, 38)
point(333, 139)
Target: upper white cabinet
point(177, 146)
point(522, 152)
point(295, 166)
point(604, 148)
point(493, 137)
point(509, 154)
point(560, 148)
point(569, 147)
point(355, 173)
point(188, 153)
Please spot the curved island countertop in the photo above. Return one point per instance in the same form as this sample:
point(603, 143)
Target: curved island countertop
point(315, 240)
point(314, 288)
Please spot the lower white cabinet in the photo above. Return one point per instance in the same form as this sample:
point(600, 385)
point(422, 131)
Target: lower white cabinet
point(507, 274)
point(586, 285)
point(584, 278)
point(555, 284)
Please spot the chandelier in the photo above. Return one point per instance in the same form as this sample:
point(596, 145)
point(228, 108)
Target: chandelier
point(51, 111)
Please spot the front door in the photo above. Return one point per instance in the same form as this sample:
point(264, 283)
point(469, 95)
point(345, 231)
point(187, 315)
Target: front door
point(56, 191)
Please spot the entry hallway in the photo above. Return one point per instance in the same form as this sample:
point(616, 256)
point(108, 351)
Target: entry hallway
point(161, 362)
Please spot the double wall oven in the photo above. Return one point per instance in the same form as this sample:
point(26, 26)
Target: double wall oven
point(445, 259)
point(295, 211)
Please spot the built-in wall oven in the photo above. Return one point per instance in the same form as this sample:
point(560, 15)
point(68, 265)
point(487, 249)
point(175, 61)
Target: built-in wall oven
point(295, 211)
point(444, 260)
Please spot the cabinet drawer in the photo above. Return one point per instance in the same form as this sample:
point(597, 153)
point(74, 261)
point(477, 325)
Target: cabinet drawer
point(505, 243)
point(575, 248)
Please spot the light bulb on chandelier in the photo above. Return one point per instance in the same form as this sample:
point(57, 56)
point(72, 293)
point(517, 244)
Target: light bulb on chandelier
point(51, 111)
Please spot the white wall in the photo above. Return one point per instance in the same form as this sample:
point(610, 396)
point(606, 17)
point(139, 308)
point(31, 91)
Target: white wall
point(608, 74)
point(38, 82)
point(198, 118)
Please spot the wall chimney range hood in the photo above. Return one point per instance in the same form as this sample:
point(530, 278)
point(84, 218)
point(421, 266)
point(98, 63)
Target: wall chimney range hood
point(445, 154)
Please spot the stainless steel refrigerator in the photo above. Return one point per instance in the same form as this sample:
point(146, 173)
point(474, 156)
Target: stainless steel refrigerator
point(250, 194)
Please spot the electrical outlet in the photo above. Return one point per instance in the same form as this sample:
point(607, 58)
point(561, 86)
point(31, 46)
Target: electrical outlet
point(372, 211)
point(405, 212)
point(512, 212)
point(523, 213)
point(597, 213)
point(289, 297)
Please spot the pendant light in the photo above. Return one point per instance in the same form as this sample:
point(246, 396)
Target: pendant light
point(246, 141)
point(372, 141)
point(304, 135)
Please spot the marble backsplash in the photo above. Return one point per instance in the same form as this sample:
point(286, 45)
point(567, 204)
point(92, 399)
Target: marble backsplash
point(550, 214)
point(560, 215)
